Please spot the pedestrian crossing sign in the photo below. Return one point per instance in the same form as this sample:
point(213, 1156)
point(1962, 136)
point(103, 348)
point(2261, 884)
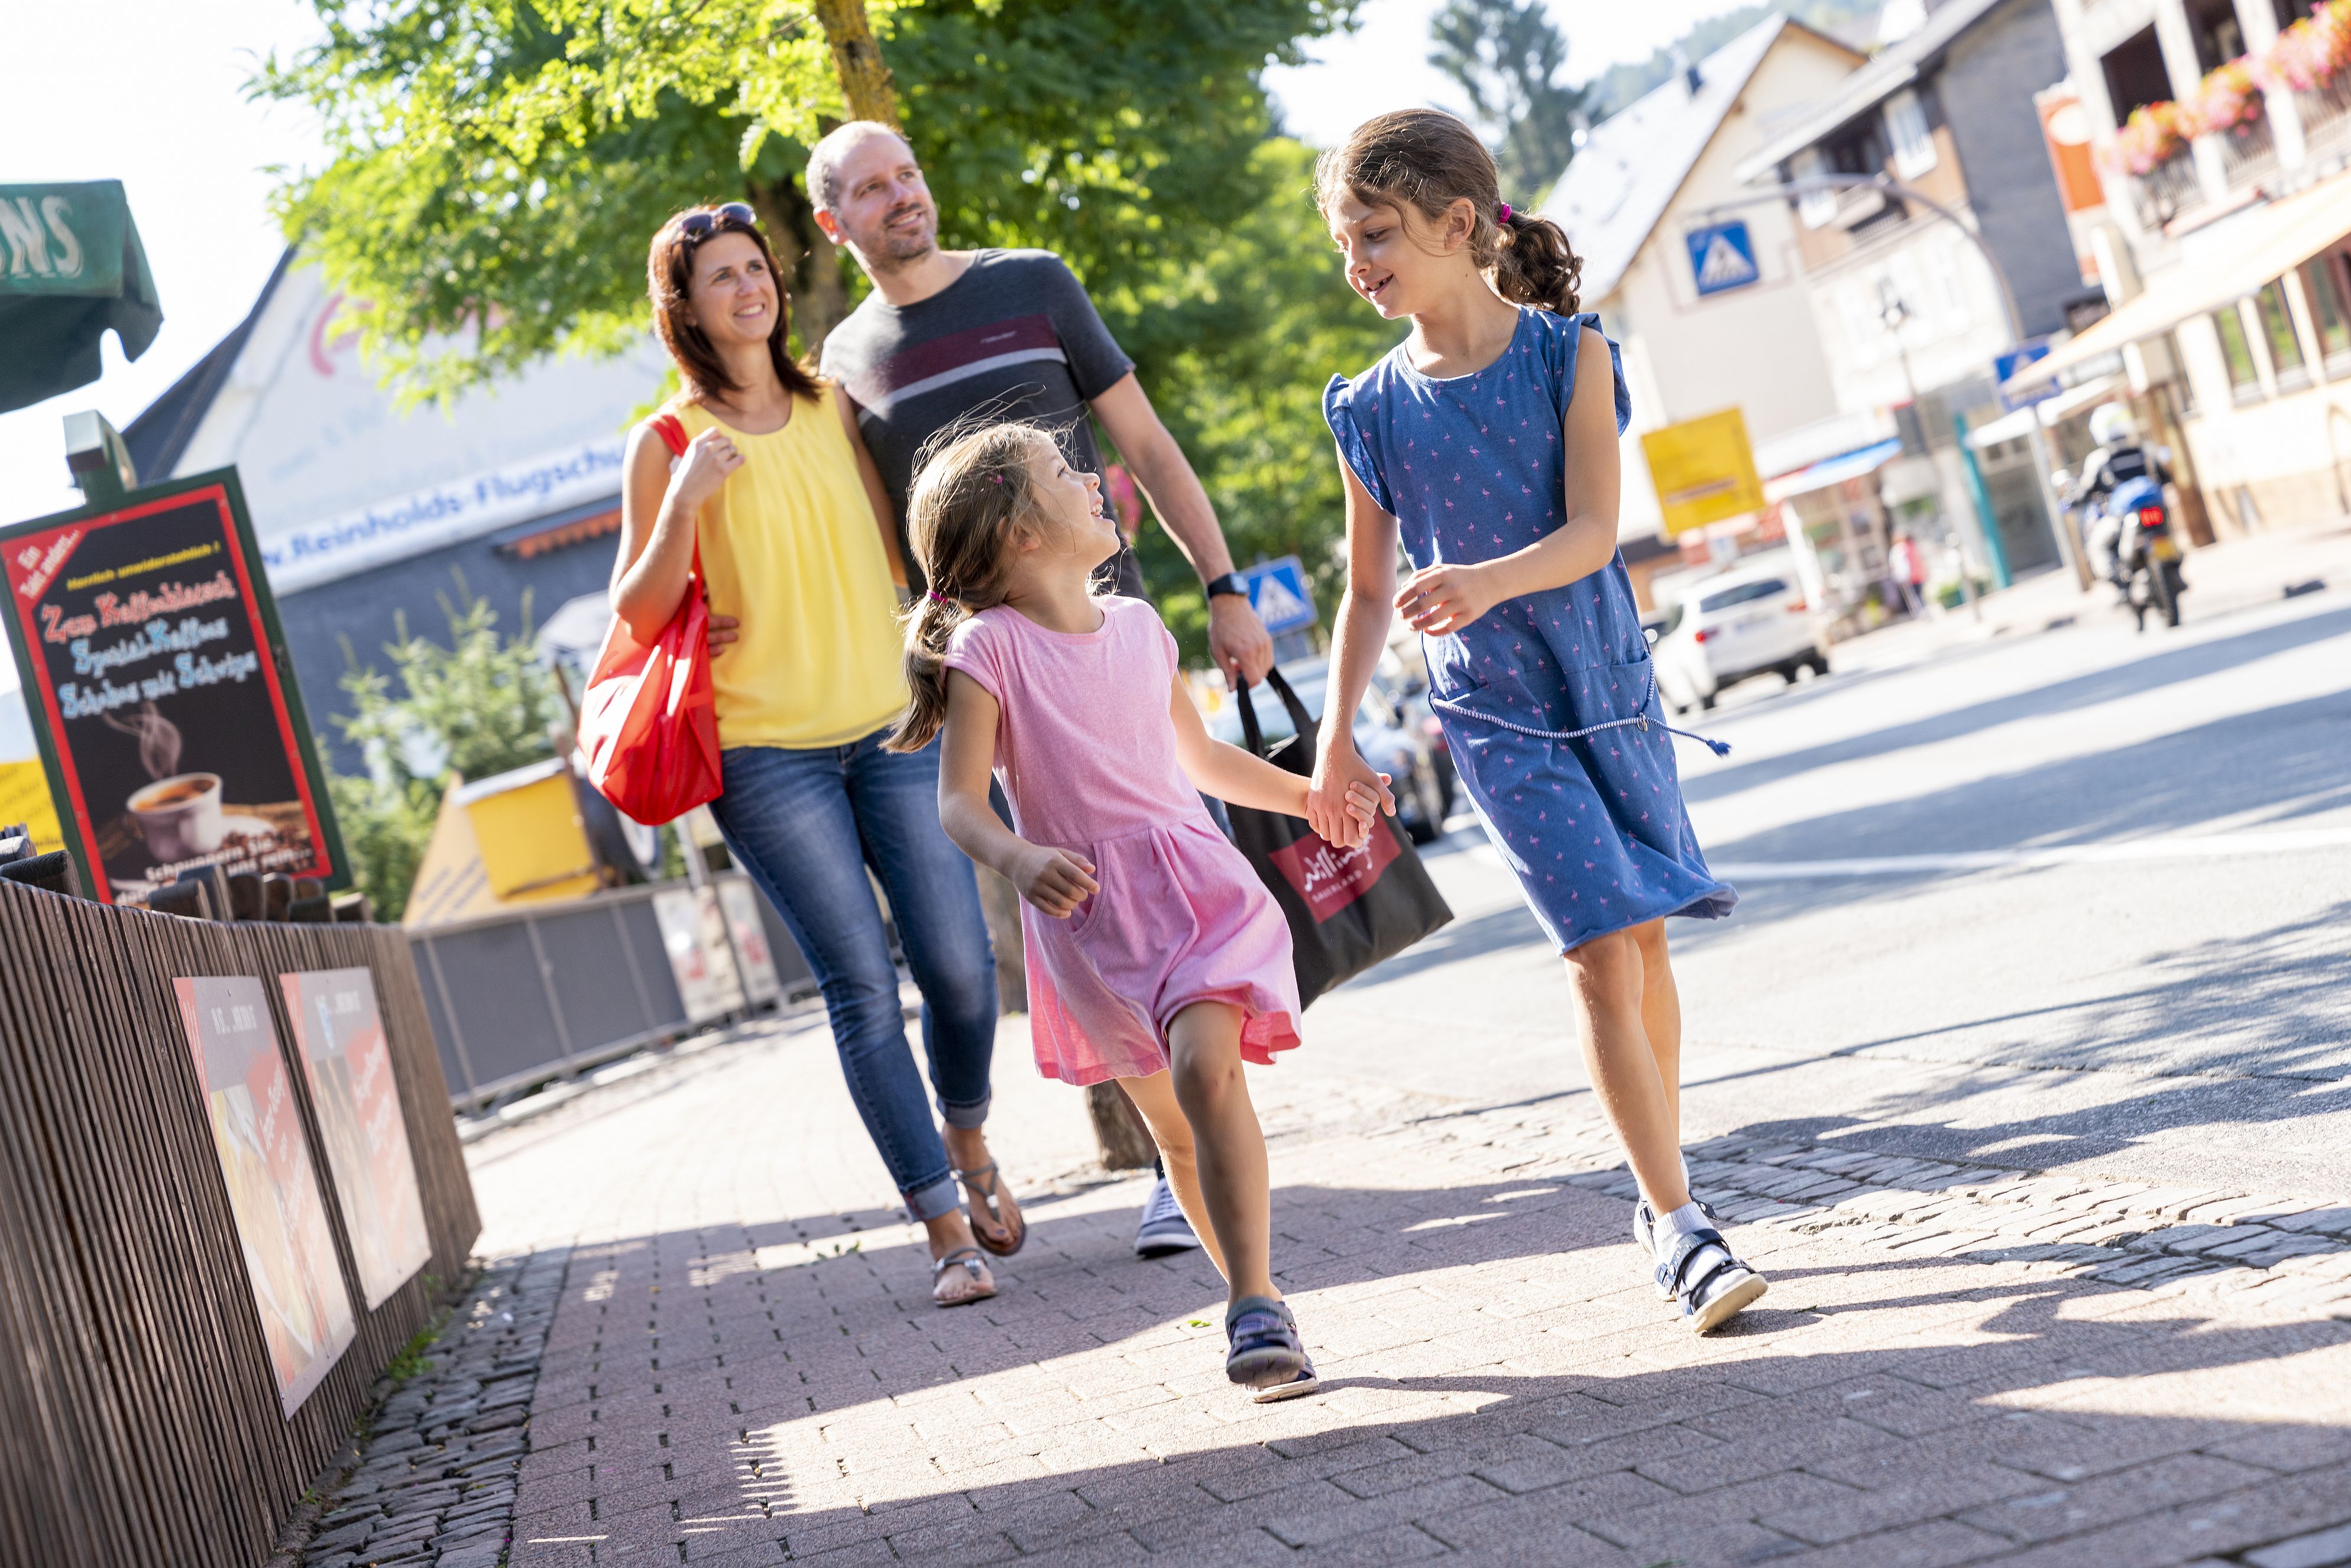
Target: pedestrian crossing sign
point(1276, 591)
point(1722, 257)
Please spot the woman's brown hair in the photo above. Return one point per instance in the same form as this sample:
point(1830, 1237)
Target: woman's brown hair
point(1425, 160)
point(669, 274)
point(972, 492)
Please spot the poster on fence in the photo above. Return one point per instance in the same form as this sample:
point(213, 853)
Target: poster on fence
point(153, 675)
point(339, 1034)
point(741, 904)
point(694, 930)
point(281, 1217)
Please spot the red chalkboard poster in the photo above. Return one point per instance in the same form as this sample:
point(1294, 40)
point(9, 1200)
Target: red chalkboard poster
point(160, 692)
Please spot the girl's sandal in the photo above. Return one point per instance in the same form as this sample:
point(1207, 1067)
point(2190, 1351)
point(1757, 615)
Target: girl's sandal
point(986, 1197)
point(1645, 1232)
point(975, 1284)
point(1707, 1281)
point(1263, 1352)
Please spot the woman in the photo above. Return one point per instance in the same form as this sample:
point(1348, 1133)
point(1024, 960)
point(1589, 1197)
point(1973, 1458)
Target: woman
point(789, 510)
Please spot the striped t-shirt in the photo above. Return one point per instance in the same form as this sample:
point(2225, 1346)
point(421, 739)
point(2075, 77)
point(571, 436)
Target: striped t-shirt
point(1014, 338)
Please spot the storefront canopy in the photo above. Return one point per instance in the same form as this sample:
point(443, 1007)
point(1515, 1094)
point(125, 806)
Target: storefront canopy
point(1831, 471)
point(2229, 260)
point(71, 267)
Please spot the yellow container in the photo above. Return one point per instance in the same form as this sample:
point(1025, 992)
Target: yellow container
point(534, 845)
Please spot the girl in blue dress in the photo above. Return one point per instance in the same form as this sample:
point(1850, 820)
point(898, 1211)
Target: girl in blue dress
point(1487, 442)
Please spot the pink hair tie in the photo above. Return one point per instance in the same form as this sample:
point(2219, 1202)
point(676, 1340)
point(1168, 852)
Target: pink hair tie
point(1505, 216)
point(935, 597)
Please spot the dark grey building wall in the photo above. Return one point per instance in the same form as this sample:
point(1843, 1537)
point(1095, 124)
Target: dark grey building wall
point(1985, 89)
point(364, 609)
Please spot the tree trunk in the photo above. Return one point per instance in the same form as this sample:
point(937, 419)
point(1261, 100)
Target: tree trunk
point(1119, 1128)
point(810, 262)
point(857, 60)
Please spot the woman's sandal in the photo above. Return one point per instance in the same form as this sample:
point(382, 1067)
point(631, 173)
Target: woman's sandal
point(996, 1205)
point(1712, 1292)
point(977, 1285)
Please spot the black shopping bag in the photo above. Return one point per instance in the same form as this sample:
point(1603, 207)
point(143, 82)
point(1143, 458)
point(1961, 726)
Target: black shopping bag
point(1348, 909)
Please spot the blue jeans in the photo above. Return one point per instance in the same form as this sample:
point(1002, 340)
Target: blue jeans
point(806, 825)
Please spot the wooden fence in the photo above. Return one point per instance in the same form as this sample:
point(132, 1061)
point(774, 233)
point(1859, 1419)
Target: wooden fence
point(140, 1414)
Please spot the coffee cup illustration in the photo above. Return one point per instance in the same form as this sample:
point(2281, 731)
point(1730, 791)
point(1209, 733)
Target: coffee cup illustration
point(180, 815)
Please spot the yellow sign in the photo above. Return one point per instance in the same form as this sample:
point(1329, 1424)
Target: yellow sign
point(25, 797)
point(1704, 471)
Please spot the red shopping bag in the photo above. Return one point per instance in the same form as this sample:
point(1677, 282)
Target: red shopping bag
point(649, 724)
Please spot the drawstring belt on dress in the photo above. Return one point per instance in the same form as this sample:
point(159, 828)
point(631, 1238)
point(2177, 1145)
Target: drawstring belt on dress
point(1719, 747)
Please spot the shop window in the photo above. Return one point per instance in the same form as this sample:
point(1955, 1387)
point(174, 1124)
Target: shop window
point(2277, 331)
point(2324, 284)
point(1905, 127)
point(2244, 378)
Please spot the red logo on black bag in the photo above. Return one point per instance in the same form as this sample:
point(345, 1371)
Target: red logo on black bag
point(1328, 878)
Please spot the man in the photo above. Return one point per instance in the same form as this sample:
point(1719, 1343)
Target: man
point(947, 335)
point(2117, 458)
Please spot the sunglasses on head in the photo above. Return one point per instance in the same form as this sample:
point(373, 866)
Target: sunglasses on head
point(702, 225)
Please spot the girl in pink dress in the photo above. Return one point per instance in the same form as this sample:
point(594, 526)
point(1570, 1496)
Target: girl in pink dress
point(1156, 956)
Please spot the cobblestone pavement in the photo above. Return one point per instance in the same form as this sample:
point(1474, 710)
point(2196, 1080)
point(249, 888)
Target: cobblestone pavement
point(433, 1480)
point(1955, 1364)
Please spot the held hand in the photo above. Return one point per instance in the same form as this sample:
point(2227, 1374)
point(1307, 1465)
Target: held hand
point(724, 631)
point(1444, 598)
point(709, 458)
point(1343, 780)
point(1054, 881)
point(1363, 810)
point(1238, 639)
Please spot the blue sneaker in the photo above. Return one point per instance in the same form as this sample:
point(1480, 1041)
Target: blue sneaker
point(1164, 1229)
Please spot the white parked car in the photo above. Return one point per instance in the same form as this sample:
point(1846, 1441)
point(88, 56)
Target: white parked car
point(1739, 624)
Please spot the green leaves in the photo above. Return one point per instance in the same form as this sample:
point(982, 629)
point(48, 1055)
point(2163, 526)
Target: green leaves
point(479, 706)
point(499, 166)
point(1505, 56)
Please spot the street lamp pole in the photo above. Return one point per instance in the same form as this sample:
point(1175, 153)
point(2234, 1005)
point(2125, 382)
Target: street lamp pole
point(1809, 183)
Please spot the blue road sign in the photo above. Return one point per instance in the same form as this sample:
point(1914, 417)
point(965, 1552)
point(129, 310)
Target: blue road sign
point(2005, 366)
point(1276, 591)
point(1722, 257)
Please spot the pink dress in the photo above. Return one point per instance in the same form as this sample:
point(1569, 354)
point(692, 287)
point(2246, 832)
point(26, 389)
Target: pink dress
point(1086, 752)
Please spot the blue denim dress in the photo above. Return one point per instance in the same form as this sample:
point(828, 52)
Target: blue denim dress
point(1549, 701)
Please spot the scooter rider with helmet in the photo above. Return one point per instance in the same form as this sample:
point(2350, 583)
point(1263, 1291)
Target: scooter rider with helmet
point(2119, 457)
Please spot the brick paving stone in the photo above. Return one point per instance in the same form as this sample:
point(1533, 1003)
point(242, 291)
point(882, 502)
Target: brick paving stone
point(1955, 1362)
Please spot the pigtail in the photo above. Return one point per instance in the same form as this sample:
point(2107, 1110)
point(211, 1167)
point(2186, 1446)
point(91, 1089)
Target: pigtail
point(1534, 265)
point(930, 631)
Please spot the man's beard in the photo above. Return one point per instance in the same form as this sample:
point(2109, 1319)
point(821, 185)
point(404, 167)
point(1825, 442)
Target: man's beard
point(894, 251)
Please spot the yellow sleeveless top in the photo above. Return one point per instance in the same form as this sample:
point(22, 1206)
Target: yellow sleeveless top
point(789, 548)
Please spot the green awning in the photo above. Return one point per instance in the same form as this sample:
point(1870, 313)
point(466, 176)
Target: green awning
point(71, 266)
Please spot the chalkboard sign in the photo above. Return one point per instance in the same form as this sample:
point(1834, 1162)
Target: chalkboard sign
point(159, 690)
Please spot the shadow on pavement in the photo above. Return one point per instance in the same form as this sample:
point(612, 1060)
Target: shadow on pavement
point(1542, 1411)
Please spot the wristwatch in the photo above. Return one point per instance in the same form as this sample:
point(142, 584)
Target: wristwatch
point(1229, 583)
